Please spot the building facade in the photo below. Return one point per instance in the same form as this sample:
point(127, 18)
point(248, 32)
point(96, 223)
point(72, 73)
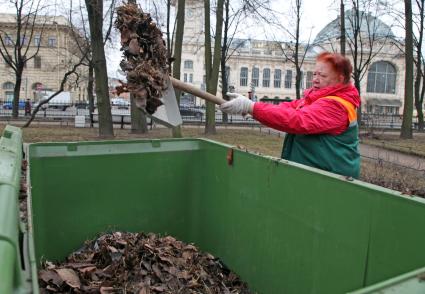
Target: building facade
point(261, 67)
point(57, 52)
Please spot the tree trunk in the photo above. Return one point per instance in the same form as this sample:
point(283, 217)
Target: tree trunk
point(16, 91)
point(138, 118)
point(177, 131)
point(297, 48)
point(90, 95)
point(406, 126)
point(95, 15)
point(419, 71)
point(342, 40)
point(212, 66)
point(224, 77)
point(357, 85)
point(419, 109)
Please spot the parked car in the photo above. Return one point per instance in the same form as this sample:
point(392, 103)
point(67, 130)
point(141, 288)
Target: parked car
point(120, 103)
point(9, 105)
point(191, 111)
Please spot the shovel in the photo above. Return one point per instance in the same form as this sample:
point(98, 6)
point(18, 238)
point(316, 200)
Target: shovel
point(168, 114)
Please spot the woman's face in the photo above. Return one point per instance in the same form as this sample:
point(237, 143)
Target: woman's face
point(324, 76)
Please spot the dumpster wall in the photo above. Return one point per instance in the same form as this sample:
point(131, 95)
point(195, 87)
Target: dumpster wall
point(10, 173)
point(282, 227)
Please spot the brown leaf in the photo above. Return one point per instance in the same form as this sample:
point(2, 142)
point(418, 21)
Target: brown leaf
point(50, 276)
point(87, 269)
point(70, 277)
point(106, 290)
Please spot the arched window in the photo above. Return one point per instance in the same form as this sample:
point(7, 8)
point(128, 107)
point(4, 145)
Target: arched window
point(277, 78)
point(288, 79)
point(8, 86)
point(266, 77)
point(381, 78)
point(255, 78)
point(244, 77)
point(188, 64)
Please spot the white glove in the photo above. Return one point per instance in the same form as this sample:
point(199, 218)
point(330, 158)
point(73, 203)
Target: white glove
point(239, 105)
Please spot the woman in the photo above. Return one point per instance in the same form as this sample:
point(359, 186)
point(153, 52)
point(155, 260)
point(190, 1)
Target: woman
point(321, 127)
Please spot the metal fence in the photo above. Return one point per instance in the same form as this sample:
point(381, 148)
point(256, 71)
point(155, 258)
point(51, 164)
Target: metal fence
point(191, 115)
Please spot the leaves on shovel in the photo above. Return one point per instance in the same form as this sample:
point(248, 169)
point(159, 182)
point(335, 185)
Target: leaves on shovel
point(144, 57)
point(140, 264)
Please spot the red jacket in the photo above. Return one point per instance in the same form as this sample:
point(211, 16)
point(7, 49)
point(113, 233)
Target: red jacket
point(310, 115)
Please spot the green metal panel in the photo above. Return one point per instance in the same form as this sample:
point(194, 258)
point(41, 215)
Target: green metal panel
point(410, 283)
point(397, 238)
point(283, 227)
point(10, 171)
point(110, 188)
point(7, 266)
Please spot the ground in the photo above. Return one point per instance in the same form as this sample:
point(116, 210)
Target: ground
point(406, 180)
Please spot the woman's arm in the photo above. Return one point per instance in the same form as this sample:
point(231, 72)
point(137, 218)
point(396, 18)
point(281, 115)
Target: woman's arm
point(324, 116)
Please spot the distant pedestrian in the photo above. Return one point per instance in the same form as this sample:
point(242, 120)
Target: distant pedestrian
point(27, 107)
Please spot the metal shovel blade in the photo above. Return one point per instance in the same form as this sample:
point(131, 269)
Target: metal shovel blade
point(168, 114)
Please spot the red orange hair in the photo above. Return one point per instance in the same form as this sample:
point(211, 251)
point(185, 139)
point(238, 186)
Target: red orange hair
point(339, 64)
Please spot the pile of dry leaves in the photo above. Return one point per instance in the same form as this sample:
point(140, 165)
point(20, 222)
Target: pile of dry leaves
point(145, 57)
point(138, 263)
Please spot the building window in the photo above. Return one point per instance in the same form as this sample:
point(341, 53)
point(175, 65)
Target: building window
point(255, 76)
point(301, 80)
point(190, 78)
point(8, 40)
point(52, 42)
point(288, 79)
point(185, 77)
point(244, 77)
point(277, 78)
point(266, 77)
point(37, 40)
point(188, 64)
point(309, 82)
point(37, 62)
point(381, 78)
point(8, 86)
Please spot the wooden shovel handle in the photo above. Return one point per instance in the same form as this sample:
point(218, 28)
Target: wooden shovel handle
point(196, 92)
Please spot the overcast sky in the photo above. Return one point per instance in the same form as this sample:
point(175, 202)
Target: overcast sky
point(315, 15)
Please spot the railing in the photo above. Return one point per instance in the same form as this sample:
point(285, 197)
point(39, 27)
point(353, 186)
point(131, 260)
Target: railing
point(191, 115)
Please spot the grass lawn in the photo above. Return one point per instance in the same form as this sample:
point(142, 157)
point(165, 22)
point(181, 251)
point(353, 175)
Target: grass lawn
point(386, 175)
point(415, 146)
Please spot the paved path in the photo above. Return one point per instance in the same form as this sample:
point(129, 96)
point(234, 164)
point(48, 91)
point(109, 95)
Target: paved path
point(377, 153)
point(399, 158)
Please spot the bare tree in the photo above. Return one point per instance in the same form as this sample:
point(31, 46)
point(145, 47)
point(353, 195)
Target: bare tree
point(212, 63)
point(71, 72)
point(365, 37)
point(95, 15)
point(16, 47)
point(406, 127)
point(294, 51)
point(177, 133)
point(343, 32)
point(81, 37)
point(419, 85)
point(233, 16)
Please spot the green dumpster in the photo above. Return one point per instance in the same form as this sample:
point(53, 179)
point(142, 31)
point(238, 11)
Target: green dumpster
point(283, 227)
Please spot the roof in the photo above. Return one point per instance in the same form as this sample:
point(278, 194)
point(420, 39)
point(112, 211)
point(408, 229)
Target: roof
point(41, 19)
point(368, 23)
